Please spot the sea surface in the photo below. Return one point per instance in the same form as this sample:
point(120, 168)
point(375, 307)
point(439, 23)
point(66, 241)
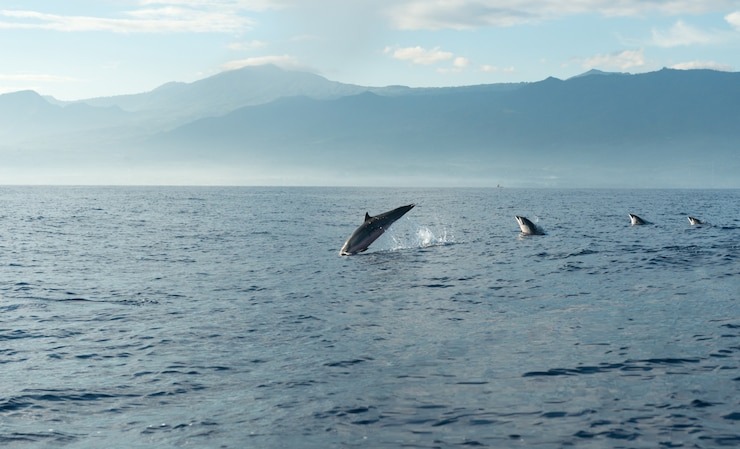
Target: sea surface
point(143, 317)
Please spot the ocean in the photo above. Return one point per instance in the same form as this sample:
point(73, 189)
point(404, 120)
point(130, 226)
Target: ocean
point(142, 317)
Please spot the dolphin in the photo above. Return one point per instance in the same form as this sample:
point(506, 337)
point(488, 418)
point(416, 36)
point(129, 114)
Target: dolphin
point(527, 227)
point(371, 229)
point(635, 220)
point(695, 221)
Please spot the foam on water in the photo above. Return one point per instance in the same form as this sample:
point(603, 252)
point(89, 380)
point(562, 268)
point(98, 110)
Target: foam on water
point(423, 237)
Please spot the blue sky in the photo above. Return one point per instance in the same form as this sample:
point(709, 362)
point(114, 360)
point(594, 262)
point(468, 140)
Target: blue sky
point(77, 49)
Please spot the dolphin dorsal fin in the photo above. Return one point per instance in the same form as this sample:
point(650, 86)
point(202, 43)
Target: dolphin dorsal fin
point(367, 216)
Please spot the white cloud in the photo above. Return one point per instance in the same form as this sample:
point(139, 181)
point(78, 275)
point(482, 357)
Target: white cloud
point(733, 19)
point(199, 17)
point(494, 69)
point(461, 62)
point(435, 56)
point(458, 65)
point(446, 62)
point(233, 5)
point(681, 34)
point(419, 55)
point(622, 60)
point(453, 15)
point(466, 14)
point(284, 61)
point(703, 65)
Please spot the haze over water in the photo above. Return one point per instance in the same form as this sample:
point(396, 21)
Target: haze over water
point(224, 317)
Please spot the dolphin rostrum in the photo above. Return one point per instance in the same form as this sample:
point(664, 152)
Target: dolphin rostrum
point(635, 220)
point(694, 221)
point(527, 227)
point(371, 229)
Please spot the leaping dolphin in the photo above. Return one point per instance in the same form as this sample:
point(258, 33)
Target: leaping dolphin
point(527, 227)
point(371, 229)
point(694, 221)
point(635, 220)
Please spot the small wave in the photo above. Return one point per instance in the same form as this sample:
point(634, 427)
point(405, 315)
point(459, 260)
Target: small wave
point(345, 363)
point(60, 438)
point(582, 252)
point(357, 415)
point(627, 366)
point(41, 399)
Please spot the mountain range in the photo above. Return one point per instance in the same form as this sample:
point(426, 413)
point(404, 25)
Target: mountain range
point(266, 125)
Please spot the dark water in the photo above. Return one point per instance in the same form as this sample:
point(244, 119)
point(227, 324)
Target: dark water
point(210, 317)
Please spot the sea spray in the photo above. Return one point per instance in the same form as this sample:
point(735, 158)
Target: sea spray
point(423, 237)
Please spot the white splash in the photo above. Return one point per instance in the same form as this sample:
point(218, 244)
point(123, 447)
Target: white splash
point(424, 237)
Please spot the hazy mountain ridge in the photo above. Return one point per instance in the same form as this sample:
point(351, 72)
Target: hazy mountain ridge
point(226, 91)
point(274, 120)
point(595, 110)
point(26, 115)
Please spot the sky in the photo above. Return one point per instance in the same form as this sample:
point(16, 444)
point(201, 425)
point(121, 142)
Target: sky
point(77, 49)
